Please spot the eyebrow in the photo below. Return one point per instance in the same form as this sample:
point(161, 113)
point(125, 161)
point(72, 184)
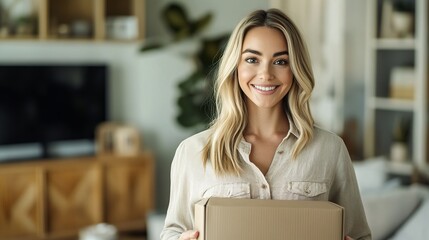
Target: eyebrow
point(260, 54)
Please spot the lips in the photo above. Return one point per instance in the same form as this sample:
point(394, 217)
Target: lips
point(264, 88)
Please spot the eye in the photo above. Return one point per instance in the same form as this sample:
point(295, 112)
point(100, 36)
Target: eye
point(281, 62)
point(251, 60)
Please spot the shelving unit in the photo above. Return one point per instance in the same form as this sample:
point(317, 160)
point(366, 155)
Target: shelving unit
point(383, 54)
point(79, 20)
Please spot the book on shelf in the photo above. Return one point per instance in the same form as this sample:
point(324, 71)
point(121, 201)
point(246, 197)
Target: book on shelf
point(402, 81)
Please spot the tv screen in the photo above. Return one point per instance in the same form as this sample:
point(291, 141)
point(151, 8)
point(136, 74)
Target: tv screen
point(49, 103)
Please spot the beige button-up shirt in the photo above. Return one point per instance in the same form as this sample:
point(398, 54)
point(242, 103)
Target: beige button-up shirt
point(322, 171)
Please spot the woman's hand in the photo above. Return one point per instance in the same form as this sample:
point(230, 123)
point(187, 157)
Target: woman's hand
point(189, 235)
point(348, 238)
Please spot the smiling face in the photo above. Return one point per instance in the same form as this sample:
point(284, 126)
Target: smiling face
point(264, 73)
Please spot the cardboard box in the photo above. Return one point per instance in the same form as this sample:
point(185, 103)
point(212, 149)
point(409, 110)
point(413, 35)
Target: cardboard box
point(256, 219)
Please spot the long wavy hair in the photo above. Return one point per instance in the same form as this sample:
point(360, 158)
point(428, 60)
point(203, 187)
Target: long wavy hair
point(227, 128)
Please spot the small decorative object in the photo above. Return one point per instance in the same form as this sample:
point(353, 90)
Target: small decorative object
point(403, 24)
point(117, 139)
point(397, 19)
point(126, 141)
point(63, 30)
point(399, 147)
point(101, 231)
point(399, 152)
point(402, 82)
point(81, 28)
point(105, 137)
point(125, 27)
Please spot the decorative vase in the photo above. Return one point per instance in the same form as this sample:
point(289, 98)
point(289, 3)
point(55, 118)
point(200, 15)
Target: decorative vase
point(402, 24)
point(399, 152)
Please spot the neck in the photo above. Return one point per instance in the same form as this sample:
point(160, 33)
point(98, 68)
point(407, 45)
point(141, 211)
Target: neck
point(266, 122)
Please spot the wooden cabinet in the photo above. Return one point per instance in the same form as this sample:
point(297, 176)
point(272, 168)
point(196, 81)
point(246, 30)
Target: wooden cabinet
point(54, 199)
point(396, 78)
point(75, 20)
point(21, 202)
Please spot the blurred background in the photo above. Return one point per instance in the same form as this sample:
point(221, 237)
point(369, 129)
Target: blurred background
point(149, 64)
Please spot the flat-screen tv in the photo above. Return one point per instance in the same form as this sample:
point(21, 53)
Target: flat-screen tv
point(45, 104)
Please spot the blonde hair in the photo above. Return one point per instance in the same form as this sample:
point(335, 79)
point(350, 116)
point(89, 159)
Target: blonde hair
point(227, 128)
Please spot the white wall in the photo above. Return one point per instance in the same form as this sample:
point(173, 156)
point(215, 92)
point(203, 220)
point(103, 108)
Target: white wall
point(355, 26)
point(143, 88)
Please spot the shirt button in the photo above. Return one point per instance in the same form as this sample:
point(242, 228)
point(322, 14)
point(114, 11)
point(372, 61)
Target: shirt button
point(264, 186)
point(307, 189)
point(280, 152)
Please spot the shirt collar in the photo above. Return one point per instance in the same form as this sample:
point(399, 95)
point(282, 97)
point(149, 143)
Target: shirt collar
point(246, 147)
point(292, 127)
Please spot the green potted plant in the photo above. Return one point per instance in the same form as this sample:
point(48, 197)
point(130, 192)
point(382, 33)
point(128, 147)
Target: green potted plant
point(195, 101)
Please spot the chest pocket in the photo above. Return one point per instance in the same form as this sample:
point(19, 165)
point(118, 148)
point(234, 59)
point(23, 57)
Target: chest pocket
point(228, 190)
point(313, 190)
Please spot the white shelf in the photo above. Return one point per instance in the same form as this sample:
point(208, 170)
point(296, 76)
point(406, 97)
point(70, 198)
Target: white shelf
point(394, 43)
point(392, 104)
point(382, 56)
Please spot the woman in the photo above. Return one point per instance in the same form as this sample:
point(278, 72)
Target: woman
point(263, 143)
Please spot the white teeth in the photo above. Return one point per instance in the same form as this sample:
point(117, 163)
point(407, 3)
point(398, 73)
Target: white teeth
point(261, 88)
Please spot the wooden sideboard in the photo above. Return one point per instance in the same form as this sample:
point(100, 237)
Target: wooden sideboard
point(54, 199)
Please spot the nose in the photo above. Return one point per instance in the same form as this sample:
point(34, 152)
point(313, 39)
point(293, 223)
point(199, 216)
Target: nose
point(265, 72)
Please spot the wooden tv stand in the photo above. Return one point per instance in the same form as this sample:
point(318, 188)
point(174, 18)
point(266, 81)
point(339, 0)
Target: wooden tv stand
point(54, 199)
